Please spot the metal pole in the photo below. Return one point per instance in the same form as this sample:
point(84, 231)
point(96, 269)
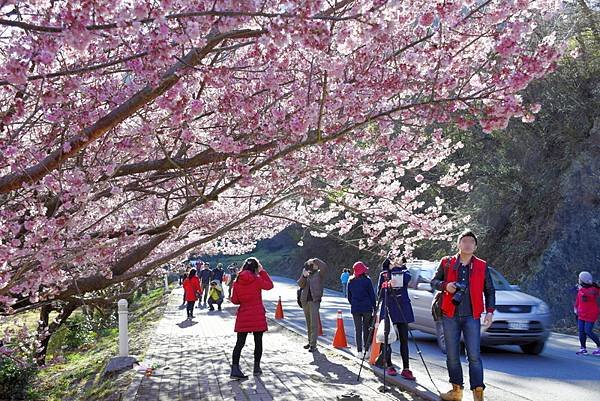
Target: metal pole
point(123, 332)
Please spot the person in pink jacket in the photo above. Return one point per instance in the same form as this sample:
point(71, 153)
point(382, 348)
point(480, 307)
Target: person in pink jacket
point(586, 306)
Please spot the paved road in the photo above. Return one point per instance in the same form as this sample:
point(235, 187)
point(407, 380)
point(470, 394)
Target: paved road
point(555, 375)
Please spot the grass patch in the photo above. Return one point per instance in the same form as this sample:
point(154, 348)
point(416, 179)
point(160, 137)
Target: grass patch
point(79, 373)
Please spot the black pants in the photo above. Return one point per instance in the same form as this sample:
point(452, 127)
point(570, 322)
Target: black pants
point(361, 329)
point(190, 308)
point(403, 334)
point(204, 293)
point(241, 341)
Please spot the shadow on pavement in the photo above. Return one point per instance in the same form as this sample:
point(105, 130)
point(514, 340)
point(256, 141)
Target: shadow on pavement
point(186, 323)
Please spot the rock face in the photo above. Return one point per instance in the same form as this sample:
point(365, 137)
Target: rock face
point(575, 240)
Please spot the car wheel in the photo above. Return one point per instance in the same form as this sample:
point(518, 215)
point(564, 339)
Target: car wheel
point(535, 348)
point(441, 340)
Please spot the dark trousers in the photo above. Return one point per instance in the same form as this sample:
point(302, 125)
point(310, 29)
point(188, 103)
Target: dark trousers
point(190, 308)
point(403, 337)
point(241, 341)
point(361, 329)
point(470, 330)
point(212, 302)
point(204, 293)
point(586, 329)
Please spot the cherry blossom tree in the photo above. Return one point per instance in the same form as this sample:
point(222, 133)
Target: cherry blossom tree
point(134, 132)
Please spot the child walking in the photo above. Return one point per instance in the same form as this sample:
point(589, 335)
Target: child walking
point(588, 311)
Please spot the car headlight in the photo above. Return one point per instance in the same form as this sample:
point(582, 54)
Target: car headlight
point(542, 308)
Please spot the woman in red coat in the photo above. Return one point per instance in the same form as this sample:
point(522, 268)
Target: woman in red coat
point(191, 292)
point(250, 317)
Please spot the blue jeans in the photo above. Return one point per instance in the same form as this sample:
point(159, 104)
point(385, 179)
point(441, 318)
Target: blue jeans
point(345, 289)
point(470, 329)
point(586, 329)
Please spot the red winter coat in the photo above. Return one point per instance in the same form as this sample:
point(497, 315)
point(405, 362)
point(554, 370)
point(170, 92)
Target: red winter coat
point(247, 293)
point(587, 304)
point(191, 286)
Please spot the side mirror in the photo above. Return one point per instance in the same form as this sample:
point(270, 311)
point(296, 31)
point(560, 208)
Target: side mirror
point(424, 287)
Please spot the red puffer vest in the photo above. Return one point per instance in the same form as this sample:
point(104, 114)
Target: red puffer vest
point(247, 293)
point(476, 282)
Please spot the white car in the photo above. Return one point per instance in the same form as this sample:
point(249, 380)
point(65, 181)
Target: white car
point(520, 319)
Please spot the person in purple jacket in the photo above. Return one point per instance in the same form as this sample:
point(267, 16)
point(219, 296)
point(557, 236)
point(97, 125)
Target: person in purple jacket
point(361, 296)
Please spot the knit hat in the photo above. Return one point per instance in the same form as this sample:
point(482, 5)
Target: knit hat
point(359, 268)
point(585, 278)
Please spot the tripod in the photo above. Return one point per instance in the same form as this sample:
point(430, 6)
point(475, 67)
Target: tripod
point(383, 294)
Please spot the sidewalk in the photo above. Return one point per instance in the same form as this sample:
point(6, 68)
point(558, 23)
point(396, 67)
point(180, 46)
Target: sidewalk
point(192, 362)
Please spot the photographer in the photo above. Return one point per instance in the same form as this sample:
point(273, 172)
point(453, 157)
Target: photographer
point(394, 279)
point(311, 282)
point(464, 280)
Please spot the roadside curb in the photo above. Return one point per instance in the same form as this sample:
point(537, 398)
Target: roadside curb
point(411, 387)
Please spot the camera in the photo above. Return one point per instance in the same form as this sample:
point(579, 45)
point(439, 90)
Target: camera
point(459, 294)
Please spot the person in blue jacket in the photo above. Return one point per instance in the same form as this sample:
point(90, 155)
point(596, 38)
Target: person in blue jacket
point(361, 296)
point(394, 279)
point(344, 277)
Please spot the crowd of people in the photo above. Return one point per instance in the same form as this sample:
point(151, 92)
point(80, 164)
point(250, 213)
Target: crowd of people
point(463, 280)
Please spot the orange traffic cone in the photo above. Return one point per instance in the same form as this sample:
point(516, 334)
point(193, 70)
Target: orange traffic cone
point(339, 340)
point(320, 327)
point(375, 346)
point(279, 310)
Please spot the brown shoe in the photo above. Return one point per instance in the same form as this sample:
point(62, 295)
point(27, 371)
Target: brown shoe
point(478, 394)
point(455, 394)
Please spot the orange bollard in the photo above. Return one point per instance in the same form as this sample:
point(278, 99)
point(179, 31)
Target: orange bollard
point(320, 327)
point(279, 310)
point(375, 346)
point(339, 340)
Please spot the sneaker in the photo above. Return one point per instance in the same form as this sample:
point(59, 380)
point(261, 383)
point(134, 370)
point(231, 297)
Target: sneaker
point(407, 374)
point(596, 353)
point(307, 346)
point(391, 371)
point(582, 351)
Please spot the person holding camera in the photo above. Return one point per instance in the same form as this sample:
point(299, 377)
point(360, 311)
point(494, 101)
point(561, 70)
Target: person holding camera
point(464, 280)
point(250, 316)
point(396, 307)
point(215, 295)
point(311, 282)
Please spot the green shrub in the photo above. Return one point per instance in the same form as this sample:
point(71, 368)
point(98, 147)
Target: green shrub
point(79, 332)
point(15, 379)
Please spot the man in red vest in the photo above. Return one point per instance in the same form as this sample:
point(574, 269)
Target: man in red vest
point(464, 280)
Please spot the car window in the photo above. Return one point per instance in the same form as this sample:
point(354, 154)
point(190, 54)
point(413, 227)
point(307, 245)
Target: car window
point(414, 277)
point(500, 283)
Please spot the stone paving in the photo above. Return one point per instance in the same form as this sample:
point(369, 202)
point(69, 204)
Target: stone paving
point(192, 362)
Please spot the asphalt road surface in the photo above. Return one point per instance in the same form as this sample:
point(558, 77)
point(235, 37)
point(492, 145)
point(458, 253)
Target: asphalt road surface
point(510, 375)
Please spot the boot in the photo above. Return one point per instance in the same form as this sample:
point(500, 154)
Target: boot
point(478, 394)
point(257, 369)
point(455, 394)
point(236, 373)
